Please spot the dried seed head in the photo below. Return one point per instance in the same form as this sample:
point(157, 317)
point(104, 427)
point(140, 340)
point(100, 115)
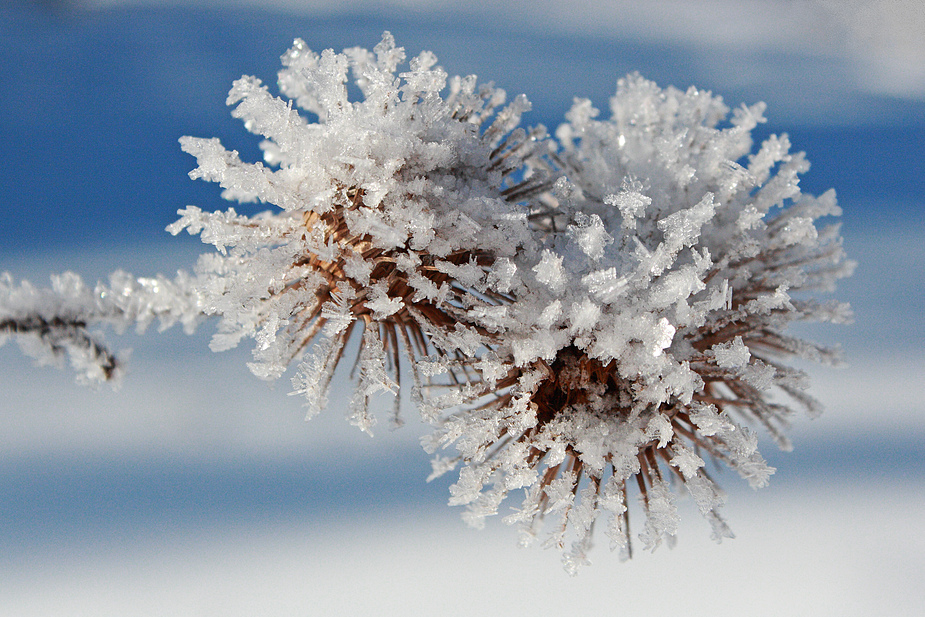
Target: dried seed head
point(393, 211)
point(600, 312)
point(650, 321)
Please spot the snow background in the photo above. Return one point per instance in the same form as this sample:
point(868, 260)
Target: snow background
point(198, 490)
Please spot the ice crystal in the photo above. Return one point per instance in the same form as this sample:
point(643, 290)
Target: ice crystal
point(585, 318)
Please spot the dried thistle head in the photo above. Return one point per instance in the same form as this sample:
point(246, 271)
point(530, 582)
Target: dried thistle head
point(390, 209)
point(597, 337)
point(649, 325)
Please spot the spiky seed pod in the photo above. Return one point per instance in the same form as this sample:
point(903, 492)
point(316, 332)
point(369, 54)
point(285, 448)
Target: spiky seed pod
point(392, 208)
point(599, 334)
point(651, 321)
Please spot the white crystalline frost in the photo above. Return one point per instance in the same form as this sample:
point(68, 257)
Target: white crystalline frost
point(550, 272)
point(687, 462)
point(653, 310)
point(583, 318)
point(733, 354)
point(590, 235)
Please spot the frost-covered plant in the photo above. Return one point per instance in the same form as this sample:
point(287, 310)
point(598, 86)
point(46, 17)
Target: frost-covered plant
point(50, 324)
point(388, 208)
point(579, 315)
point(652, 318)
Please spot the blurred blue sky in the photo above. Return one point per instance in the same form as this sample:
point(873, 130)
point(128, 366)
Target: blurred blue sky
point(96, 98)
point(97, 92)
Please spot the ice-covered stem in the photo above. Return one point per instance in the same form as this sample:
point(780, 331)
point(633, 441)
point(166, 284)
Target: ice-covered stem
point(53, 323)
point(59, 336)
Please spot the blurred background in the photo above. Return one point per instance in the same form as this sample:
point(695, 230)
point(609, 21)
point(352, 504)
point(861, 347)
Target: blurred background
point(196, 489)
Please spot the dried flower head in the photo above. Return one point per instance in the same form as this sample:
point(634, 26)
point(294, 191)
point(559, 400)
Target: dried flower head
point(651, 321)
point(390, 209)
point(584, 319)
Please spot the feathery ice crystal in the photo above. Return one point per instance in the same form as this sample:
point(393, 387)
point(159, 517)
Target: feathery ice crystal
point(579, 315)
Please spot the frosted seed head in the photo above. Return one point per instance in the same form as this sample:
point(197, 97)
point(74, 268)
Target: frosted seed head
point(594, 311)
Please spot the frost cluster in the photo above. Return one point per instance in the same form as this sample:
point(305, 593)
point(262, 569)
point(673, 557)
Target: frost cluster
point(54, 323)
point(584, 317)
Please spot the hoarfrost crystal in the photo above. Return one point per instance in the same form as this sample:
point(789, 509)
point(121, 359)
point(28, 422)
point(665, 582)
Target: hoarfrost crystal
point(584, 318)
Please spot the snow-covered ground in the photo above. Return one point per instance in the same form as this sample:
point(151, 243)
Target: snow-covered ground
point(839, 549)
